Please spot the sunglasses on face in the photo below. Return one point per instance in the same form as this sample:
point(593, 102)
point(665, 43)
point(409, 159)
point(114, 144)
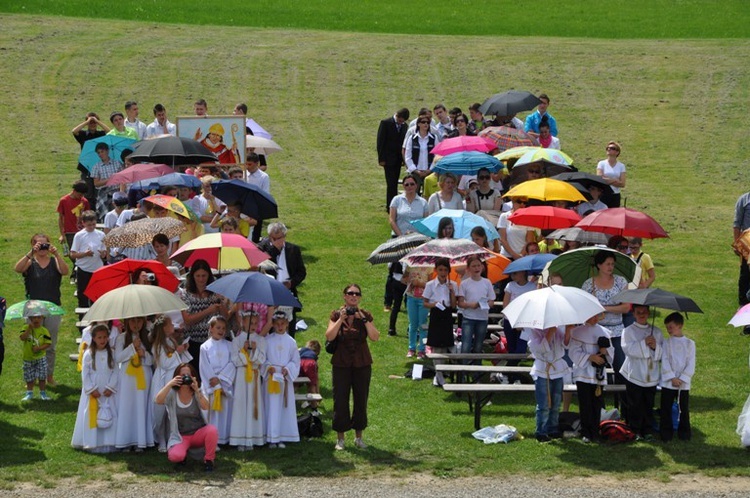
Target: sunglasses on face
point(353, 293)
point(423, 122)
point(612, 148)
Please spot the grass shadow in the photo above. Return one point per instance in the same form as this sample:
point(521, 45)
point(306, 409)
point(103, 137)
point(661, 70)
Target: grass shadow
point(19, 445)
point(599, 458)
point(709, 404)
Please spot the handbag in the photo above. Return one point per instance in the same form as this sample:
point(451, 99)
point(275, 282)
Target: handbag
point(309, 425)
point(104, 418)
point(332, 345)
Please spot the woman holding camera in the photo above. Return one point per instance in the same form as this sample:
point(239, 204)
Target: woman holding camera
point(43, 268)
point(187, 428)
point(350, 326)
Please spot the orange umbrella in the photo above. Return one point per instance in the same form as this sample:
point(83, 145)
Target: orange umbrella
point(495, 267)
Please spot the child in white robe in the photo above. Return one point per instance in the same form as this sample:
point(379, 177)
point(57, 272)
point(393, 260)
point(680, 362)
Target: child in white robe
point(282, 367)
point(247, 428)
point(217, 376)
point(677, 369)
point(99, 376)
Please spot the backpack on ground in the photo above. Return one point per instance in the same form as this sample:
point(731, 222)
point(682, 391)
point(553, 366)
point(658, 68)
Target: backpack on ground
point(615, 431)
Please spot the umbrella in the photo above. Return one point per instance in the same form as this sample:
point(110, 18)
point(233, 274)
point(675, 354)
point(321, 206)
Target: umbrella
point(456, 250)
point(223, 251)
point(117, 145)
point(545, 217)
point(658, 298)
point(623, 221)
point(551, 307)
point(132, 301)
point(509, 103)
point(172, 204)
point(463, 223)
point(546, 189)
point(138, 172)
point(516, 152)
point(172, 150)
point(396, 248)
point(576, 266)
point(262, 145)
point(256, 202)
point(254, 287)
point(172, 179)
point(466, 163)
point(575, 234)
point(464, 144)
point(519, 172)
point(496, 265)
point(740, 319)
point(32, 307)
point(140, 232)
point(256, 129)
point(120, 274)
point(586, 179)
point(534, 263)
point(507, 137)
point(551, 156)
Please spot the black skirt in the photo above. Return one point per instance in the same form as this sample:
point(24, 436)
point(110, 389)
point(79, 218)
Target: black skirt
point(440, 329)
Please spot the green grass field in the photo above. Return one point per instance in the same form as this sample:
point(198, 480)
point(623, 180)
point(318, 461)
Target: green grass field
point(676, 106)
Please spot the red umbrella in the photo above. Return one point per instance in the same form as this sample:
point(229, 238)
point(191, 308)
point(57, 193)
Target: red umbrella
point(623, 221)
point(120, 274)
point(138, 172)
point(223, 251)
point(545, 217)
point(464, 144)
point(507, 137)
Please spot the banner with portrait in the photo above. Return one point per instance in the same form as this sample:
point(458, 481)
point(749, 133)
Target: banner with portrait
point(222, 135)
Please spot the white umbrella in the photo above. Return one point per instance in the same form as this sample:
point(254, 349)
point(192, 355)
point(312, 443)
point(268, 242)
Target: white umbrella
point(261, 145)
point(132, 301)
point(552, 307)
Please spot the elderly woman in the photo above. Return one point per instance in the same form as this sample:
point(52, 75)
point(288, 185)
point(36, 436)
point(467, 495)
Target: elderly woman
point(613, 173)
point(350, 326)
point(202, 305)
point(42, 268)
point(186, 423)
point(447, 197)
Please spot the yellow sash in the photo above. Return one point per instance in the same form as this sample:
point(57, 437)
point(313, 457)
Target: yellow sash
point(81, 350)
point(93, 411)
point(274, 387)
point(249, 369)
point(135, 369)
point(216, 405)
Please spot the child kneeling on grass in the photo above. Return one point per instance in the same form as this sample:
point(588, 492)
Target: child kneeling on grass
point(677, 369)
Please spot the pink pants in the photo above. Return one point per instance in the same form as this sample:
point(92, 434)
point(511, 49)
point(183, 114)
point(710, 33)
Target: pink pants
point(206, 437)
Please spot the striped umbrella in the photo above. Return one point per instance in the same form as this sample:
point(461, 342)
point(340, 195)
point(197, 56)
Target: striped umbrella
point(222, 251)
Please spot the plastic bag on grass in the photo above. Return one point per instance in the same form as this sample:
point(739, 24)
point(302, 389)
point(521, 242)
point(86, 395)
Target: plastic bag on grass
point(743, 424)
point(499, 434)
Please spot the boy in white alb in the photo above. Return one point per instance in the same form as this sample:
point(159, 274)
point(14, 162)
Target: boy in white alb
point(677, 369)
point(217, 376)
point(282, 367)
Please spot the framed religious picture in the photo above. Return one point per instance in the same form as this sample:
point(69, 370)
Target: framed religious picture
point(222, 135)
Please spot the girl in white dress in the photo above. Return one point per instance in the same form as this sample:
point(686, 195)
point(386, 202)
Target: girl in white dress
point(167, 357)
point(134, 414)
point(282, 367)
point(217, 376)
point(99, 376)
point(248, 355)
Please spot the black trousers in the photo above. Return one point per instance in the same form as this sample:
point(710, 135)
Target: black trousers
point(397, 292)
point(590, 406)
point(392, 174)
point(611, 200)
point(82, 281)
point(640, 415)
point(743, 284)
point(356, 381)
point(666, 429)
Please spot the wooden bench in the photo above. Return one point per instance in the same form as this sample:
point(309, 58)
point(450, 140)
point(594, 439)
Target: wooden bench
point(452, 357)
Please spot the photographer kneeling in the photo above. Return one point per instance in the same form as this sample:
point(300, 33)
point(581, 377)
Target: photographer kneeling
point(185, 424)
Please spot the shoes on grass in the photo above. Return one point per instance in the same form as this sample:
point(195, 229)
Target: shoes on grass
point(28, 397)
point(359, 443)
point(410, 353)
point(339, 445)
point(209, 465)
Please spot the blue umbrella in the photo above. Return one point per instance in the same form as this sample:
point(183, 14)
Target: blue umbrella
point(466, 163)
point(256, 202)
point(254, 287)
point(117, 145)
point(463, 223)
point(171, 179)
point(534, 263)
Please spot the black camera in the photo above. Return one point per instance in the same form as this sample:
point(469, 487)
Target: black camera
point(187, 380)
point(350, 310)
point(150, 277)
point(44, 247)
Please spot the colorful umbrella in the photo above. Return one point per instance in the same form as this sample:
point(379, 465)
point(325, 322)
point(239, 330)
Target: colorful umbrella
point(463, 223)
point(515, 152)
point(533, 263)
point(552, 156)
point(466, 163)
point(576, 234)
point(172, 151)
point(507, 137)
point(117, 145)
point(396, 248)
point(546, 189)
point(222, 251)
point(464, 144)
point(172, 180)
point(262, 145)
point(32, 307)
point(496, 265)
point(740, 319)
point(576, 266)
point(173, 205)
point(456, 250)
point(623, 221)
point(132, 301)
point(121, 273)
point(545, 217)
point(552, 307)
point(254, 287)
point(139, 172)
point(658, 298)
point(140, 232)
point(256, 202)
point(509, 103)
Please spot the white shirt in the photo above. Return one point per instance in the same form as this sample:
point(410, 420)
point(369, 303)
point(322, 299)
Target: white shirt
point(82, 242)
point(139, 127)
point(613, 172)
point(260, 179)
point(548, 355)
point(200, 206)
point(282, 274)
point(423, 163)
point(155, 129)
point(473, 291)
point(435, 292)
point(641, 365)
point(677, 360)
point(583, 343)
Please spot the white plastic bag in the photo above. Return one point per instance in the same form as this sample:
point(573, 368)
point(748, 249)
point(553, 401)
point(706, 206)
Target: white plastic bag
point(499, 434)
point(743, 424)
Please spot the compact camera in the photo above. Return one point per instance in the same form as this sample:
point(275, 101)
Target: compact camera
point(187, 380)
point(350, 310)
point(44, 247)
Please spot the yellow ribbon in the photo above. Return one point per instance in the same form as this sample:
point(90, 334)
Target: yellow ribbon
point(93, 411)
point(216, 405)
point(135, 368)
point(249, 369)
point(81, 350)
point(274, 387)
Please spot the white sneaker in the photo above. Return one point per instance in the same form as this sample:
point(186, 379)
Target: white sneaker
point(359, 443)
point(272, 446)
point(281, 446)
point(339, 445)
point(241, 448)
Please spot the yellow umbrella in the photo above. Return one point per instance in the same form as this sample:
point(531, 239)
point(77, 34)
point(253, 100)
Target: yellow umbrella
point(173, 205)
point(546, 189)
point(517, 152)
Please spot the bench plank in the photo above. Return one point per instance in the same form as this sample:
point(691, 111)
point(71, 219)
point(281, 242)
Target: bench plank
point(478, 356)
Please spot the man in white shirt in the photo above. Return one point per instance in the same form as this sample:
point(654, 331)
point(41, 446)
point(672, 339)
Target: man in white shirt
point(132, 121)
point(161, 125)
point(444, 124)
point(88, 251)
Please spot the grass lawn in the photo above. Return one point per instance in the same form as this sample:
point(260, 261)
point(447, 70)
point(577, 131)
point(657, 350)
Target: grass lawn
point(675, 106)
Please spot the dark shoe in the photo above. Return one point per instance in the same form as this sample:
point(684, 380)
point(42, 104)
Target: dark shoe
point(556, 435)
point(543, 438)
point(392, 332)
point(209, 465)
point(746, 330)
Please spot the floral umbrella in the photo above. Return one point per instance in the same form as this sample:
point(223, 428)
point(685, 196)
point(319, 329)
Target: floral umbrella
point(140, 232)
point(456, 250)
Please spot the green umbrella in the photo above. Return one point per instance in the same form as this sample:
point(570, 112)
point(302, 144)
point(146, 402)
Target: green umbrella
point(576, 266)
point(33, 307)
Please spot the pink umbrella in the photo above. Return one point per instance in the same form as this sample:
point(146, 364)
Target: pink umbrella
point(623, 221)
point(545, 217)
point(139, 172)
point(742, 317)
point(464, 144)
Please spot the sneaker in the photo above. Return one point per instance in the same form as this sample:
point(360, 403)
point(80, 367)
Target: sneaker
point(410, 353)
point(421, 355)
point(359, 443)
point(387, 309)
point(585, 440)
point(28, 397)
point(44, 396)
point(209, 465)
point(162, 449)
point(281, 446)
point(391, 332)
point(241, 448)
point(543, 438)
point(339, 445)
point(272, 446)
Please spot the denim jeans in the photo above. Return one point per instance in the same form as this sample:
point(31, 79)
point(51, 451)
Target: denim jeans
point(473, 333)
point(417, 318)
point(547, 417)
